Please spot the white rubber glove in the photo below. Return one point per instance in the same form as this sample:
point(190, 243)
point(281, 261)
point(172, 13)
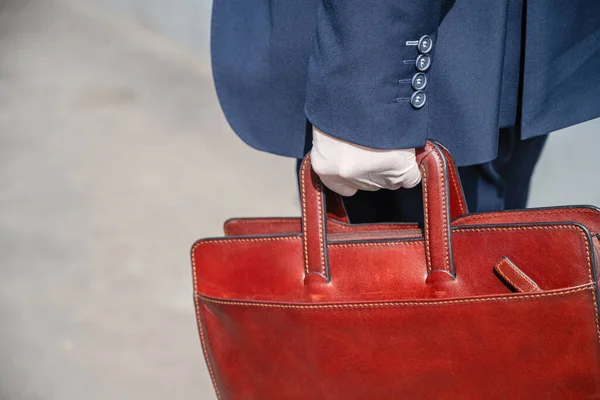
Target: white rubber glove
point(345, 167)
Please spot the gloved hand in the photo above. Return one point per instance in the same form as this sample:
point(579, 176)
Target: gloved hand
point(345, 167)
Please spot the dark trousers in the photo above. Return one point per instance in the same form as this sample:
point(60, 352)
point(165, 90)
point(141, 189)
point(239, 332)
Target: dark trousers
point(502, 184)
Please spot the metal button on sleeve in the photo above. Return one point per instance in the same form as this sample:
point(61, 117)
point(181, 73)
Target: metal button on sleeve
point(419, 81)
point(418, 99)
point(425, 44)
point(423, 62)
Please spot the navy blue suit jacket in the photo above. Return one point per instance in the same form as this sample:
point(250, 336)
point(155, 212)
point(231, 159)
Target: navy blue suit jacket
point(346, 66)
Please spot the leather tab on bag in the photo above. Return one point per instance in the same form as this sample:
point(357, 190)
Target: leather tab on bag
point(514, 277)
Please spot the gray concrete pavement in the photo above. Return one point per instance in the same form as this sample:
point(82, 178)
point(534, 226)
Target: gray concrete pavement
point(114, 158)
point(182, 21)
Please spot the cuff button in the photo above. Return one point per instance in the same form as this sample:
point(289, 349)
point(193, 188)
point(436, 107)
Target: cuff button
point(418, 99)
point(425, 44)
point(423, 62)
point(419, 81)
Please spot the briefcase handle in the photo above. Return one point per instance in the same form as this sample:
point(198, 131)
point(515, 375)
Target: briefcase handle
point(443, 200)
point(458, 205)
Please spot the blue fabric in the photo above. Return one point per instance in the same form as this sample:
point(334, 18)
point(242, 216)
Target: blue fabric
point(342, 64)
point(509, 91)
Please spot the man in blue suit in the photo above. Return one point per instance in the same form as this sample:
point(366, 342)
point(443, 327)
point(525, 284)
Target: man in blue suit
point(364, 82)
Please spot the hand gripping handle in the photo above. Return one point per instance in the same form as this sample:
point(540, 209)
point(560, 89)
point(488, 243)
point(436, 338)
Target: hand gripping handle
point(443, 200)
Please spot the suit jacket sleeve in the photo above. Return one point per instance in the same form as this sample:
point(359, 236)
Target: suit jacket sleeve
point(359, 75)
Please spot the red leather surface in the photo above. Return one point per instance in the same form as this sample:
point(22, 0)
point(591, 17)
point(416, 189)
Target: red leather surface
point(273, 269)
point(587, 216)
point(314, 309)
point(506, 348)
point(276, 226)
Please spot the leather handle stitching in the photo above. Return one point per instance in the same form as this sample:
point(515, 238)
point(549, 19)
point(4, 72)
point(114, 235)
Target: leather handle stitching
point(453, 172)
point(321, 223)
point(304, 227)
point(426, 210)
point(444, 211)
point(436, 154)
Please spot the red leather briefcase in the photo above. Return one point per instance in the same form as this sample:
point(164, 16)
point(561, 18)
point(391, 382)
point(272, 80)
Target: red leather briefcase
point(499, 305)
